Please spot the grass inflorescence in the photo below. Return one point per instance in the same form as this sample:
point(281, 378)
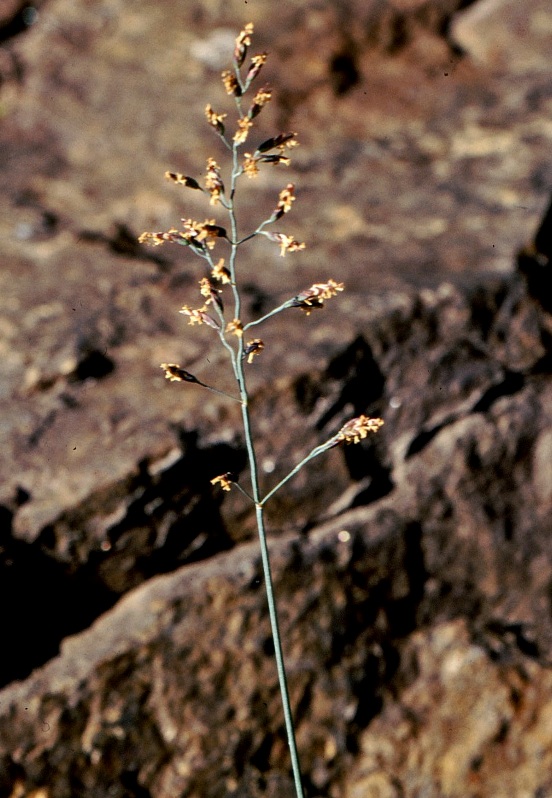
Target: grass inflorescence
point(220, 288)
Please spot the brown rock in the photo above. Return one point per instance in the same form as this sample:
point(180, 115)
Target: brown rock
point(430, 541)
point(501, 35)
point(174, 689)
point(459, 726)
point(87, 318)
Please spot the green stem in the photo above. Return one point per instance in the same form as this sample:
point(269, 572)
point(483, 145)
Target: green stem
point(217, 390)
point(315, 452)
point(242, 490)
point(278, 653)
point(269, 588)
point(238, 365)
point(257, 231)
point(287, 304)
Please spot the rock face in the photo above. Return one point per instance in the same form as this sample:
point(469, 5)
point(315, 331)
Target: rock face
point(414, 572)
point(417, 623)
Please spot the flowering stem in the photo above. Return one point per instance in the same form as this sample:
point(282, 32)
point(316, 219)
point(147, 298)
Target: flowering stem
point(269, 587)
point(278, 653)
point(257, 231)
point(245, 493)
point(315, 452)
point(238, 365)
point(287, 304)
point(199, 237)
point(217, 390)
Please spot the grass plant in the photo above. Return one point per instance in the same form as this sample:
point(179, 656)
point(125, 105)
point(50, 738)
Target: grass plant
point(220, 287)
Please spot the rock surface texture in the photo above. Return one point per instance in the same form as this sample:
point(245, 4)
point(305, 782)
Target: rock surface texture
point(413, 571)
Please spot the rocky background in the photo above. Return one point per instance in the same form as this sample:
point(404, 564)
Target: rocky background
point(414, 572)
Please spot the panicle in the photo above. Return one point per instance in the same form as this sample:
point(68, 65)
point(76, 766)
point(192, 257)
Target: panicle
point(263, 155)
point(213, 181)
point(281, 141)
point(243, 41)
point(262, 97)
point(183, 180)
point(215, 120)
point(231, 84)
point(235, 327)
point(358, 428)
point(156, 239)
point(244, 125)
point(290, 244)
point(224, 480)
point(195, 234)
point(274, 159)
point(314, 297)
point(253, 348)
point(220, 272)
point(175, 373)
point(198, 316)
point(250, 165)
point(286, 199)
point(287, 243)
point(255, 67)
point(210, 294)
point(200, 233)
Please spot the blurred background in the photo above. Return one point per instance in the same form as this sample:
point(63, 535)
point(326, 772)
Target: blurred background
point(425, 160)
